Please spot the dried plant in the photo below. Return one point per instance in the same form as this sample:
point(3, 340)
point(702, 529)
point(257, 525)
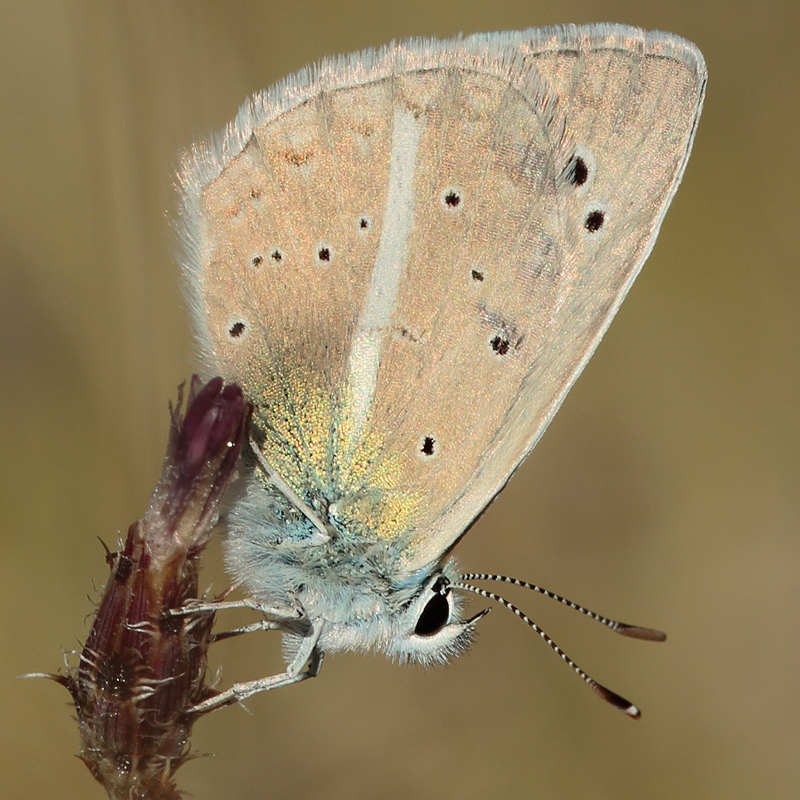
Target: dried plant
point(143, 667)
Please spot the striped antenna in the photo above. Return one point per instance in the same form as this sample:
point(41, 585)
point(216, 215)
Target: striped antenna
point(633, 631)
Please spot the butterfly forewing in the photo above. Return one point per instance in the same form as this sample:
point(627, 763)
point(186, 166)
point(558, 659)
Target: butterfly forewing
point(407, 266)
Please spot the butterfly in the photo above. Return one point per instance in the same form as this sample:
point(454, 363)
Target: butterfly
point(405, 257)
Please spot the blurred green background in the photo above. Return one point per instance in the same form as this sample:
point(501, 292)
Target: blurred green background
point(665, 492)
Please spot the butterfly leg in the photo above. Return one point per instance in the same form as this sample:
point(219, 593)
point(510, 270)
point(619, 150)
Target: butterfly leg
point(278, 612)
point(308, 653)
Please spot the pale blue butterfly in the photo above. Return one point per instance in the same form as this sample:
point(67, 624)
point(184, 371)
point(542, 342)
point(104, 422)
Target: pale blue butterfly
point(406, 257)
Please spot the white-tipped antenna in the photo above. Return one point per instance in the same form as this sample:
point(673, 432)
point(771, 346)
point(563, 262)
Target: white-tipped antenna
point(633, 631)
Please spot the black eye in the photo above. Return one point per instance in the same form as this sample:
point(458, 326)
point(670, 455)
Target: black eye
point(434, 616)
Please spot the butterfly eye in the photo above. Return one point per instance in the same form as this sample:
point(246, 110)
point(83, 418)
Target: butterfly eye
point(434, 616)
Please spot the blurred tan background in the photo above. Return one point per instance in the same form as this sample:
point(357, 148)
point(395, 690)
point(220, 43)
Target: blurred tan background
point(665, 492)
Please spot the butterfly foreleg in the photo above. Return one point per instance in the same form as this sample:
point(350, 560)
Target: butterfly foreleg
point(278, 613)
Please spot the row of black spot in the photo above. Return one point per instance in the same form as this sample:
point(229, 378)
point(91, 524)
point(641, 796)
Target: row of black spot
point(577, 173)
point(452, 199)
point(323, 254)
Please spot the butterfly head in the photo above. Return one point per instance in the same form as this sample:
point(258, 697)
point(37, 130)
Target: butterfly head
point(431, 628)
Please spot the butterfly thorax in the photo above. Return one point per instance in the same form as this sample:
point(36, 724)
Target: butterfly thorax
point(361, 592)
